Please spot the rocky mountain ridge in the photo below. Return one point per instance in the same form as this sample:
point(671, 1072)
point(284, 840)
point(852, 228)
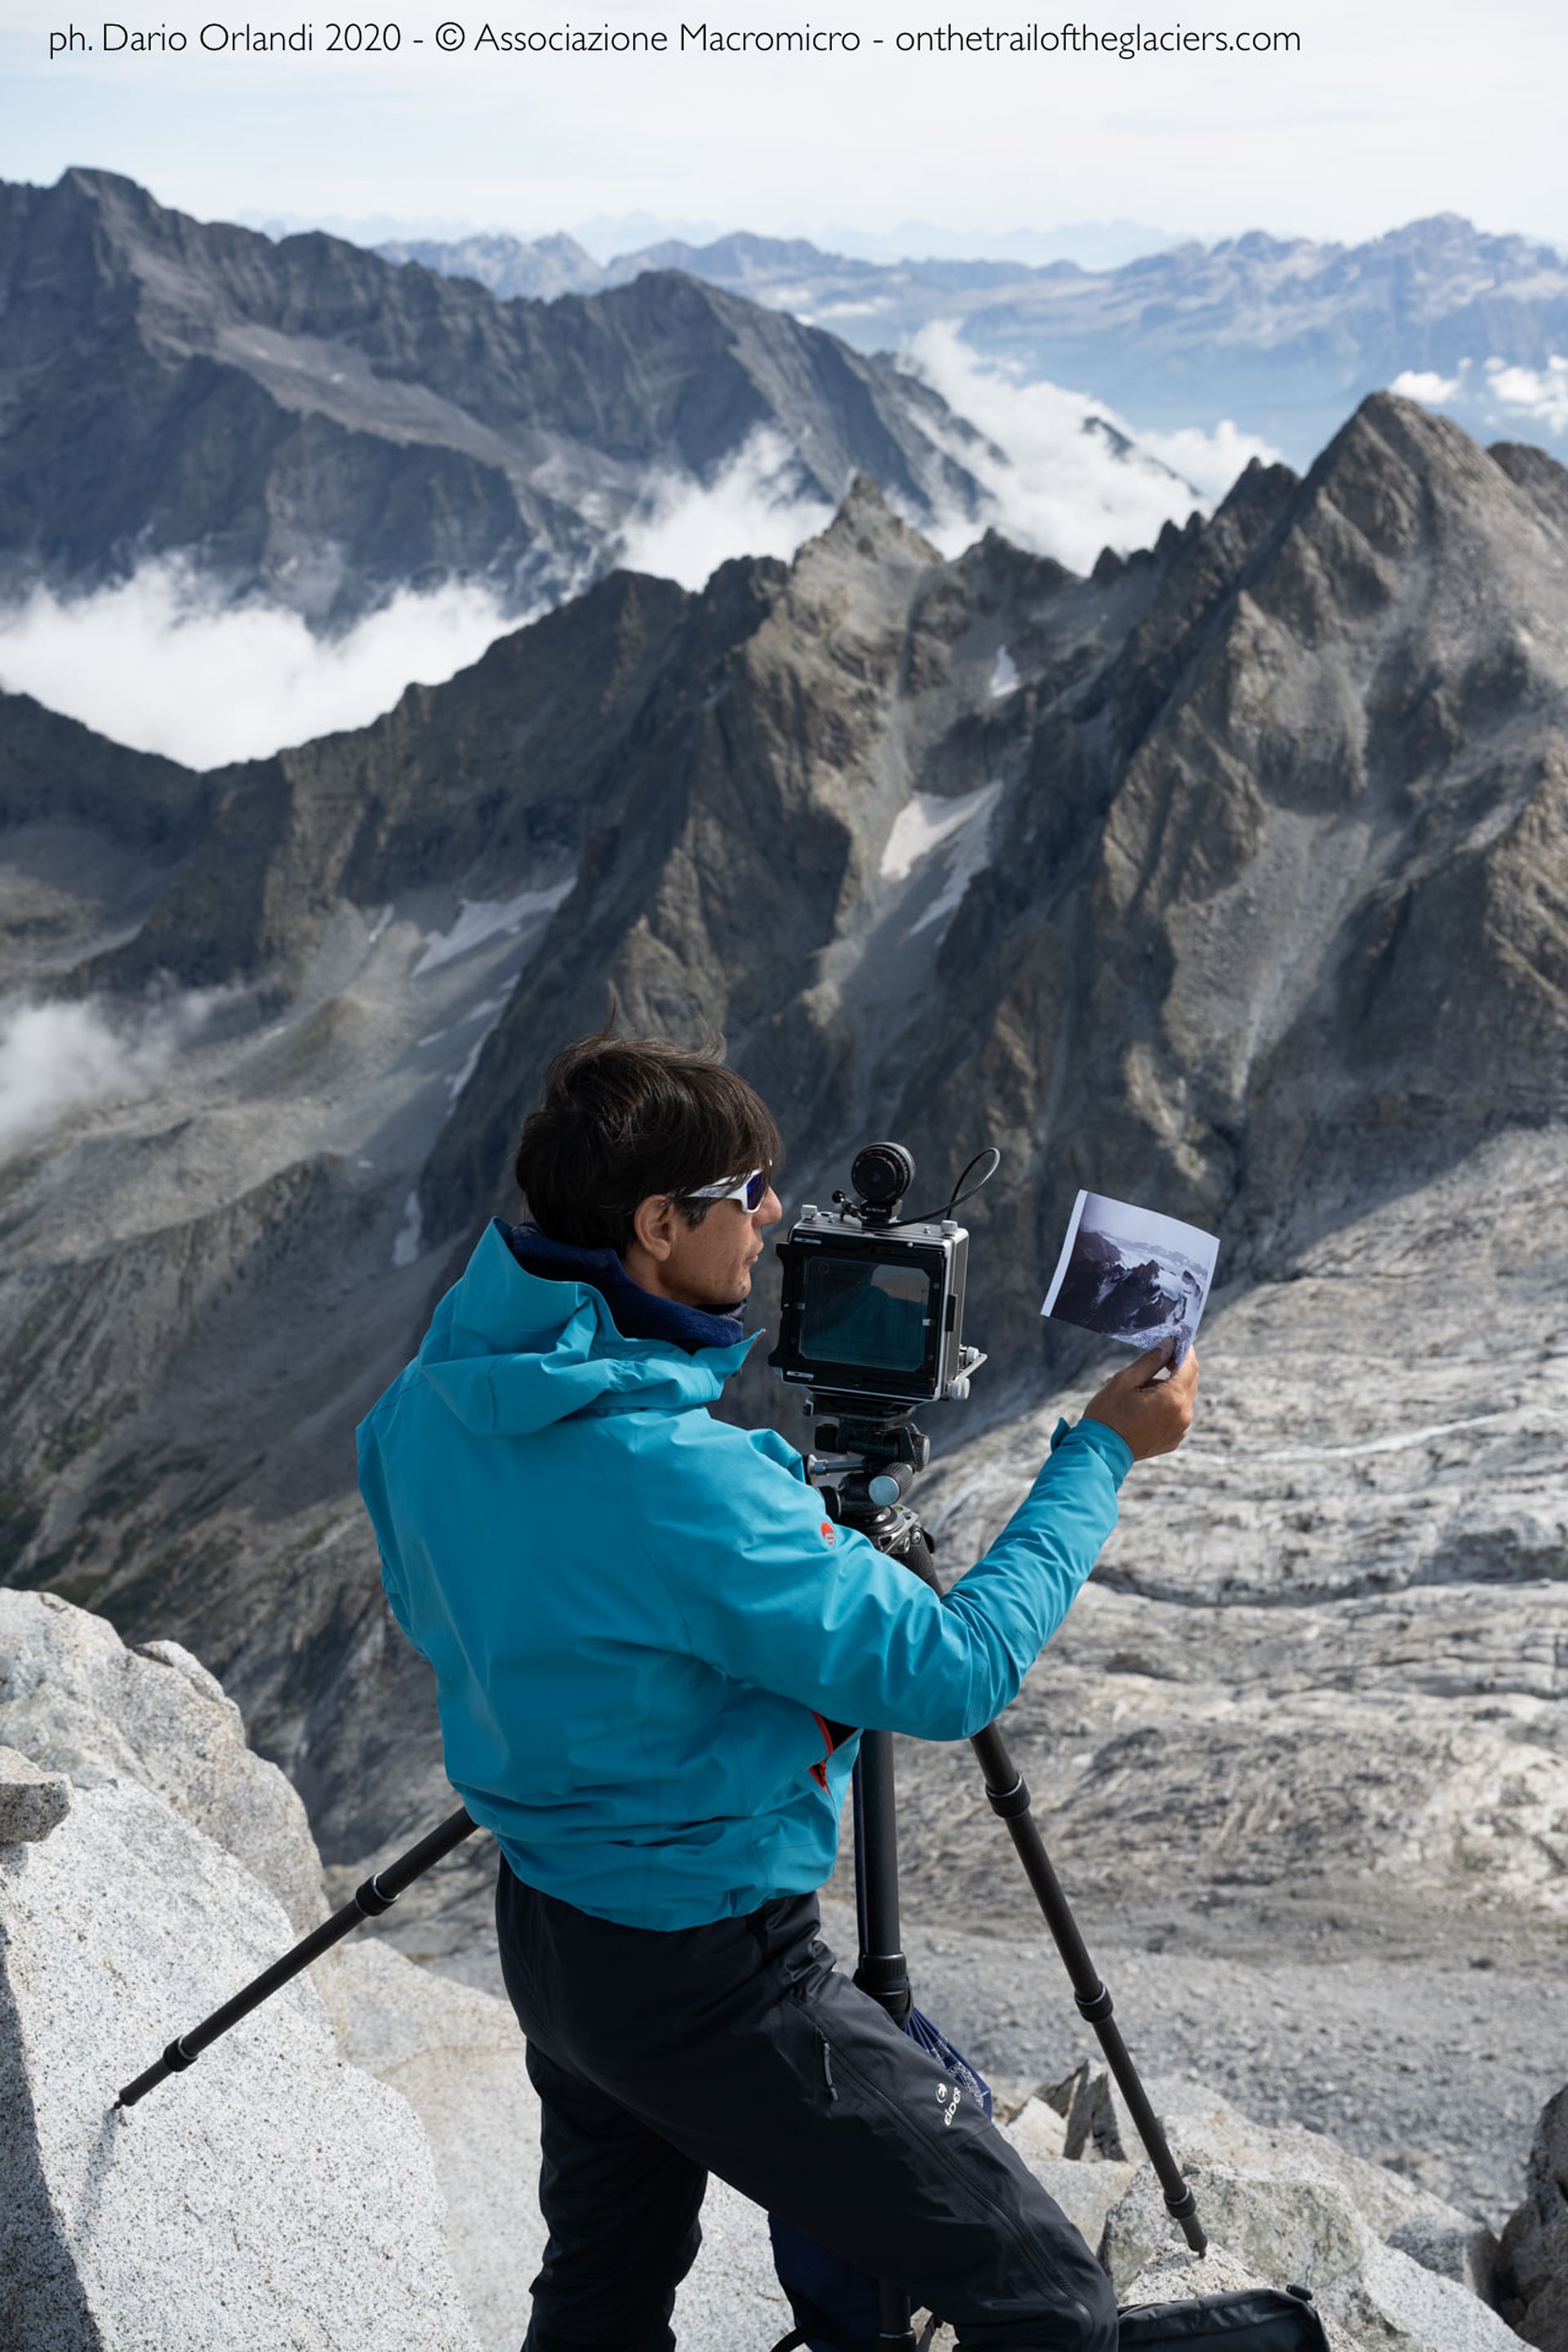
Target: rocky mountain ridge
point(1284, 335)
point(306, 421)
point(1231, 878)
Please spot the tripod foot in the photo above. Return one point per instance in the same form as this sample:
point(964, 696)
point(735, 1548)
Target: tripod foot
point(1184, 2210)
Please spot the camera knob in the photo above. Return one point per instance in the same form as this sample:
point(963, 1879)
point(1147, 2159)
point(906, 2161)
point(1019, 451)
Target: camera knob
point(959, 1389)
point(809, 1210)
point(883, 1489)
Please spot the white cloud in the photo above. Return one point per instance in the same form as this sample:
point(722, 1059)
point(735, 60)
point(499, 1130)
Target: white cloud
point(1539, 394)
point(59, 1058)
point(161, 663)
point(1064, 489)
point(1210, 461)
point(1425, 384)
point(685, 531)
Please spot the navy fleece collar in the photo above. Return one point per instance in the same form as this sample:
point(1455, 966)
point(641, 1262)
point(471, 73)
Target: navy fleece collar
point(638, 1314)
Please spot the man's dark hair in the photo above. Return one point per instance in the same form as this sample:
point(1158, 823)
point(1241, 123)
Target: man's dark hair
point(627, 1117)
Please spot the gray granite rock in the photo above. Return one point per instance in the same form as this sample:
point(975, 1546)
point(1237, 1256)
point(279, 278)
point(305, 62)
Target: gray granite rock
point(458, 2057)
point(1096, 2124)
point(32, 1802)
point(1284, 2230)
point(266, 2200)
point(1037, 2131)
point(1281, 2231)
point(75, 1700)
point(1437, 2313)
point(1463, 2249)
point(1534, 2266)
point(1086, 2192)
point(1206, 2130)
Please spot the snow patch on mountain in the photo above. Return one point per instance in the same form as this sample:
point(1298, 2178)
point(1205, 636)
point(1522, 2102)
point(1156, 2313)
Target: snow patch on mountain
point(486, 918)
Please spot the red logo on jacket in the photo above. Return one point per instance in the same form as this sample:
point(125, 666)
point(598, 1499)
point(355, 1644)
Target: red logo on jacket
point(829, 1532)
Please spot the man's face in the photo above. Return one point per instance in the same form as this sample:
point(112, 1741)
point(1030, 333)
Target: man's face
point(707, 1265)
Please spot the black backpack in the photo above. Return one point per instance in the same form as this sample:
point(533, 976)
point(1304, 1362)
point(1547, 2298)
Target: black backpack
point(1251, 2319)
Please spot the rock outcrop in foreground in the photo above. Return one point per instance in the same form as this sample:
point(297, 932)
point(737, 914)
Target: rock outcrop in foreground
point(280, 2192)
point(273, 2197)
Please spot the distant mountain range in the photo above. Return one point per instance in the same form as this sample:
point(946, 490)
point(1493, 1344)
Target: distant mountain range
point(1229, 880)
point(306, 419)
point(1282, 335)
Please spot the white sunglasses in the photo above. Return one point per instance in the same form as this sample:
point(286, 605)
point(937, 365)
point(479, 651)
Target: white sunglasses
point(749, 1191)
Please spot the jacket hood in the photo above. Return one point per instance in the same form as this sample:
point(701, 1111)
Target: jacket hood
point(509, 1352)
point(637, 1313)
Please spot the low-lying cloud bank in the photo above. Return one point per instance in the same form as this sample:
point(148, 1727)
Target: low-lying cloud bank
point(685, 531)
point(162, 662)
point(56, 1059)
point(1075, 478)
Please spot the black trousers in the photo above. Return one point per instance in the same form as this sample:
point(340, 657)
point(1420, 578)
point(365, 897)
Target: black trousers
point(738, 2049)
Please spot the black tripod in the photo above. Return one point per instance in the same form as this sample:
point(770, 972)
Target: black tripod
point(871, 1464)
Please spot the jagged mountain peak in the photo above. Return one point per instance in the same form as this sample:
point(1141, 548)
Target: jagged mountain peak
point(868, 522)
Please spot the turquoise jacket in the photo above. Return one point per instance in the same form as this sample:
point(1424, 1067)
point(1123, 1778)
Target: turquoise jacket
point(646, 1634)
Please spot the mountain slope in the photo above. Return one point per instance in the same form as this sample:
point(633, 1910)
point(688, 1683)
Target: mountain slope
point(1305, 722)
point(308, 419)
point(1232, 878)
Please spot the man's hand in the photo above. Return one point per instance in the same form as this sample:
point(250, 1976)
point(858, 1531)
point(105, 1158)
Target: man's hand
point(1152, 1414)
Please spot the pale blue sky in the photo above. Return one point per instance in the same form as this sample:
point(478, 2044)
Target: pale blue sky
point(1388, 112)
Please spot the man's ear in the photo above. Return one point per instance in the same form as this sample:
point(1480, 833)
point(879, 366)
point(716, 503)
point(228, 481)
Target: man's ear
point(653, 1223)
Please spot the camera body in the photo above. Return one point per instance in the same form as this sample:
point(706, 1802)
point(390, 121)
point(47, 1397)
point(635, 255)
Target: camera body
point(871, 1305)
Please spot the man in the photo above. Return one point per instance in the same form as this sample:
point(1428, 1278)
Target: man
point(648, 1643)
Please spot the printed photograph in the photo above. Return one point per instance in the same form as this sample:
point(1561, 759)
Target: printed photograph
point(1132, 1274)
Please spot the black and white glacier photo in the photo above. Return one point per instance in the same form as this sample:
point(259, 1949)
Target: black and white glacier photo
point(1132, 1275)
point(925, 657)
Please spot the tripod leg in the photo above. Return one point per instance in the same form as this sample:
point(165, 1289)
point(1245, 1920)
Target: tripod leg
point(883, 1971)
point(377, 1894)
point(1009, 1799)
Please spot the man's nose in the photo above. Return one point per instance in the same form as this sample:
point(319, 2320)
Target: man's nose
point(769, 1209)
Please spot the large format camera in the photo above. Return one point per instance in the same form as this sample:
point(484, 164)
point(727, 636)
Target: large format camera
point(872, 1303)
